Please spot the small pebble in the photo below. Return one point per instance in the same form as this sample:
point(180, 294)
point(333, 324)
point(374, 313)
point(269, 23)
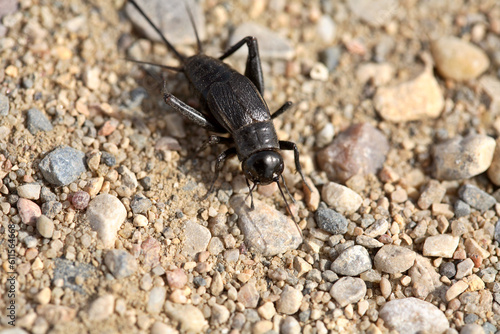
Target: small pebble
point(289, 301)
point(51, 209)
point(176, 278)
point(433, 192)
point(442, 245)
point(464, 268)
point(197, 238)
point(162, 328)
point(331, 56)
point(101, 308)
point(378, 228)
point(37, 121)
point(448, 269)
point(106, 214)
point(455, 290)
point(385, 287)
point(476, 197)
point(376, 13)
point(326, 29)
point(330, 221)
point(140, 204)
point(80, 200)
point(348, 290)
point(341, 198)
point(290, 325)
point(45, 226)
point(29, 211)
point(271, 44)
point(463, 157)
point(352, 261)
point(4, 105)
point(461, 209)
point(43, 297)
point(368, 242)
point(220, 314)
point(394, 259)
point(361, 149)
point(29, 191)
point(472, 329)
point(266, 230)
point(458, 59)
point(248, 295)
point(156, 299)
point(412, 315)
point(120, 263)
point(319, 72)
point(63, 166)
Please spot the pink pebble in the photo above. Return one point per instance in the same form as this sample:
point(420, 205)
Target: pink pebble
point(80, 200)
point(28, 210)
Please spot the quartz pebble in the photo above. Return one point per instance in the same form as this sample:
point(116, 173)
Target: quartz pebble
point(458, 59)
point(63, 166)
point(102, 308)
point(341, 198)
point(463, 157)
point(442, 245)
point(45, 226)
point(413, 100)
point(197, 238)
point(412, 315)
point(29, 191)
point(290, 300)
point(476, 197)
point(266, 230)
point(29, 211)
point(106, 214)
point(394, 259)
point(121, 263)
point(352, 261)
point(176, 278)
point(271, 44)
point(361, 149)
point(348, 290)
point(456, 289)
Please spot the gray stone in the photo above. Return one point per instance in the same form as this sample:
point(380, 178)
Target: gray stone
point(271, 45)
point(448, 269)
point(394, 259)
point(348, 290)
point(476, 197)
point(461, 209)
point(266, 230)
point(412, 315)
point(171, 17)
point(37, 121)
point(4, 105)
point(197, 238)
point(67, 271)
point(63, 165)
point(352, 261)
point(120, 263)
point(140, 204)
point(330, 221)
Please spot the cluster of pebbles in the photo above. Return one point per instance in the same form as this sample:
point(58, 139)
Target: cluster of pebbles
point(397, 114)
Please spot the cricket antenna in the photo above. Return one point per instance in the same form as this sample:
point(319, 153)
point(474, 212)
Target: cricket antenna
point(193, 24)
point(167, 43)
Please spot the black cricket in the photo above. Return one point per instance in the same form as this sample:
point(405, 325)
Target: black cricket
point(233, 104)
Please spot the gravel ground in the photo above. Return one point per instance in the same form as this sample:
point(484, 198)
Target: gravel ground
point(396, 116)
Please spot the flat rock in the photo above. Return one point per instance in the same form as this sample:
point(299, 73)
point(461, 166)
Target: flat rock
point(412, 315)
point(197, 238)
point(106, 213)
point(63, 165)
point(348, 290)
point(120, 263)
point(266, 230)
point(29, 191)
point(376, 13)
point(37, 121)
point(417, 99)
point(341, 198)
point(352, 261)
point(463, 157)
point(476, 197)
point(458, 59)
point(361, 149)
point(441, 245)
point(271, 44)
point(171, 17)
point(394, 259)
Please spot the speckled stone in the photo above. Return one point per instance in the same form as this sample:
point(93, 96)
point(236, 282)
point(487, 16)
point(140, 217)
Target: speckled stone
point(348, 290)
point(37, 121)
point(476, 197)
point(352, 261)
point(463, 157)
point(433, 192)
point(266, 230)
point(197, 238)
point(121, 263)
point(394, 259)
point(29, 211)
point(412, 315)
point(361, 149)
point(248, 295)
point(330, 221)
point(63, 166)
